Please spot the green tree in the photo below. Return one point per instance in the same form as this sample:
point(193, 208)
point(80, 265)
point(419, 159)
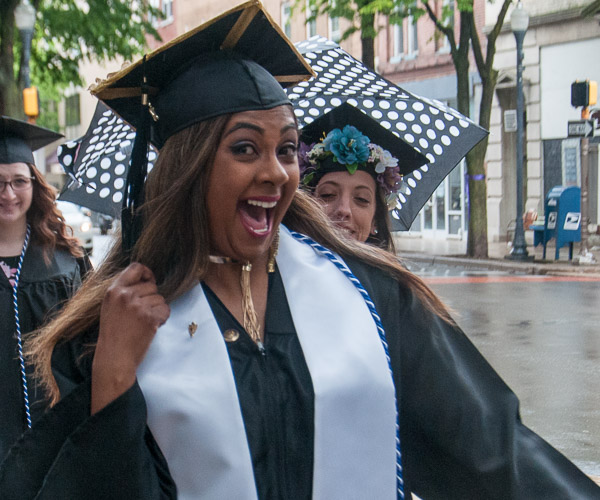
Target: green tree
point(360, 13)
point(66, 33)
point(464, 41)
point(468, 38)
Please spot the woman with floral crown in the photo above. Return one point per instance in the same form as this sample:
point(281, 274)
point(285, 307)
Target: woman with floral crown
point(356, 179)
point(229, 354)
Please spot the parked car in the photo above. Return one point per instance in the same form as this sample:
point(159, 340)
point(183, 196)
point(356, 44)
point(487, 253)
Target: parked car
point(105, 222)
point(80, 222)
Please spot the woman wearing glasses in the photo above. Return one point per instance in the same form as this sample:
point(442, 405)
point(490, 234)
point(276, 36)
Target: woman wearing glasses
point(41, 266)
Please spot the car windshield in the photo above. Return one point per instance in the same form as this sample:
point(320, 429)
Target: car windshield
point(66, 207)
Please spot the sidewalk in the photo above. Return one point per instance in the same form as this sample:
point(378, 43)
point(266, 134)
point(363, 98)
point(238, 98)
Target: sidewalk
point(453, 253)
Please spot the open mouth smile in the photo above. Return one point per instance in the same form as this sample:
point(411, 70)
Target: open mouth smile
point(256, 215)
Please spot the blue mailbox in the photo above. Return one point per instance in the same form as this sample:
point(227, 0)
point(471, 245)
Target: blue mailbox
point(562, 219)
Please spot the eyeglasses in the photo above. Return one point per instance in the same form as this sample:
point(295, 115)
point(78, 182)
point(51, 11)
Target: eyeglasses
point(18, 184)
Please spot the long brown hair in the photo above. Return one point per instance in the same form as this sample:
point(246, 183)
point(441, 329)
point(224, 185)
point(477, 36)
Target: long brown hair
point(175, 242)
point(48, 228)
point(383, 237)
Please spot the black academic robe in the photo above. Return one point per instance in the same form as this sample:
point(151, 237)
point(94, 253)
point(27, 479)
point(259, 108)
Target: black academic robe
point(460, 428)
point(42, 291)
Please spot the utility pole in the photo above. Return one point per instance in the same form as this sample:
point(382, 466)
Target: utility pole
point(25, 21)
point(584, 94)
point(519, 21)
point(585, 256)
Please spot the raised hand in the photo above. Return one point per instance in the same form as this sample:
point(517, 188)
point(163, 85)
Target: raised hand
point(132, 311)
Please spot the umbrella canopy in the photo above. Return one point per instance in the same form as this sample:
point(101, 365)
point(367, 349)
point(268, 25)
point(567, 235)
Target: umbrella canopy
point(437, 131)
point(96, 164)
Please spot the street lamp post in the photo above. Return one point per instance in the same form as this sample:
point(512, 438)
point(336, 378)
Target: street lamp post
point(25, 21)
point(519, 21)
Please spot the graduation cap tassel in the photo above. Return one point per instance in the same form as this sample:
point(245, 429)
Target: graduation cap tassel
point(131, 219)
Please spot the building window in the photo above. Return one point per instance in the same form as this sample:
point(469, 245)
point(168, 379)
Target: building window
point(447, 16)
point(397, 41)
point(311, 26)
point(72, 111)
point(286, 20)
point(334, 29)
point(334, 25)
point(412, 38)
point(154, 20)
point(167, 9)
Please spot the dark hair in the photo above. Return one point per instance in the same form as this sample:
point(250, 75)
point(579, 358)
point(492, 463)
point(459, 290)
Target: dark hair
point(383, 238)
point(48, 227)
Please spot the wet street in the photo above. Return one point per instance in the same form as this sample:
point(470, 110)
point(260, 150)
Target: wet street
point(542, 335)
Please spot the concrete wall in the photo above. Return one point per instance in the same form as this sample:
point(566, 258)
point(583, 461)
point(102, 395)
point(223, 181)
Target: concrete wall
point(560, 65)
point(559, 47)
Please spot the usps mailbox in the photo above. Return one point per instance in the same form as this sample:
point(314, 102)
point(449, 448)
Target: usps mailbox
point(562, 219)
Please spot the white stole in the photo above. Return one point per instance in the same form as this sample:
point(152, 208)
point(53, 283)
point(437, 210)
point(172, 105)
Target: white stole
point(194, 413)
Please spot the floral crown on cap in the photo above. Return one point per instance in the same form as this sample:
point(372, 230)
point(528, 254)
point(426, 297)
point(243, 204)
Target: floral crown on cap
point(352, 149)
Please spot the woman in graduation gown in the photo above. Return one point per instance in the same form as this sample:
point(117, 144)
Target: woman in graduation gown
point(41, 264)
point(236, 357)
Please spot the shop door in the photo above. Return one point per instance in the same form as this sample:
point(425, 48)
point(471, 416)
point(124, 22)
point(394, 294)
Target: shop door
point(443, 216)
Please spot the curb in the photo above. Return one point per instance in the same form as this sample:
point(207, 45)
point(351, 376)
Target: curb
point(539, 268)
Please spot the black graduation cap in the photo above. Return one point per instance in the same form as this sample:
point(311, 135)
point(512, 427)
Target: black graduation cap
point(409, 158)
point(238, 61)
point(18, 140)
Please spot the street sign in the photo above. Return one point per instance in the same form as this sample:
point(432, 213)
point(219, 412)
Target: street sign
point(510, 120)
point(580, 128)
point(572, 221)
point(552, 220)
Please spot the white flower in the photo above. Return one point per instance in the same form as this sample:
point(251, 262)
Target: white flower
point(376, 152)
point(386, 160)
point(317, 151)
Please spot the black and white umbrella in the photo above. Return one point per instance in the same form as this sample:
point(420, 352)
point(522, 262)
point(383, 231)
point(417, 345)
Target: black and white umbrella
point(437, 131)
point(97, 163)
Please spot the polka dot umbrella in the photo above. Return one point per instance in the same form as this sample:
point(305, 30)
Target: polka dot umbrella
point(437, 131)
point(97, 163)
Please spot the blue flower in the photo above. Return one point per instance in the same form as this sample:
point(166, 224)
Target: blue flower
point(349, 146)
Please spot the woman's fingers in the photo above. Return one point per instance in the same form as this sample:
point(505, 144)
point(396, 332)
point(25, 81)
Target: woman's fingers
point(161, 312)
point(130, 306)
point(132, 311)
point(144, 288)
point(132, 274)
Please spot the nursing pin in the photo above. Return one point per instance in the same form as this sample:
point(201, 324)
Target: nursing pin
point(192, 327)
point(231, 335)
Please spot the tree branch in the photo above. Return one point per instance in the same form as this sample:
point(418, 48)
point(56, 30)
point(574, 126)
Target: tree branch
point(465, 32)
point(493, 35)
point(475, 43)
point(447, 31)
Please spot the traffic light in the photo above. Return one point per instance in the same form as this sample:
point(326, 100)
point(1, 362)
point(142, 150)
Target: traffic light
point(584, 93)
point(30, 102)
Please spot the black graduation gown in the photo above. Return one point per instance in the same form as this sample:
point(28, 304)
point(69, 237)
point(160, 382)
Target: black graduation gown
point(460, 428)
point(42, 290)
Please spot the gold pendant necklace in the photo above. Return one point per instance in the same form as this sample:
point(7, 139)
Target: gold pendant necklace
point(250, 318)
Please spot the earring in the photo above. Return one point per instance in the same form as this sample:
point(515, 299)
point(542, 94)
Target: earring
point(273, 253)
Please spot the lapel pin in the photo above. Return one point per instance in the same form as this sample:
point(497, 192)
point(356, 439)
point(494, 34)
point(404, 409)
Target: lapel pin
point(192, 327)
